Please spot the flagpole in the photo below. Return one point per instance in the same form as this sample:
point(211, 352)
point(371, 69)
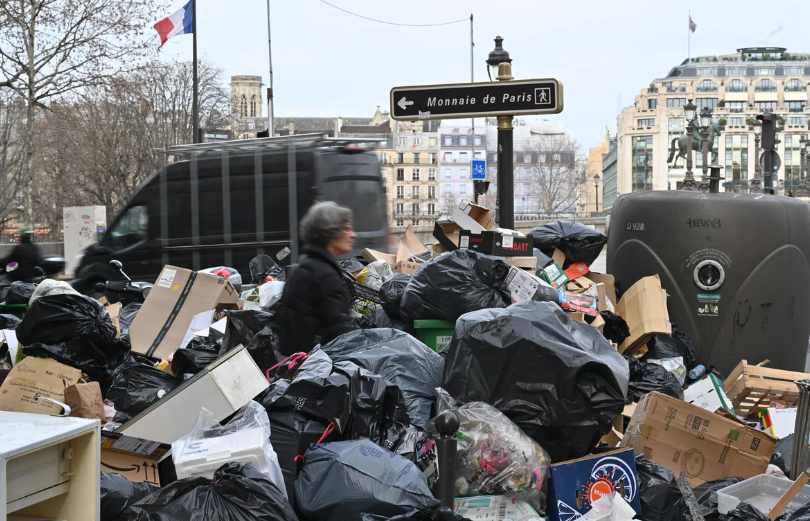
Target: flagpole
point(688, 39)
point(194, 108)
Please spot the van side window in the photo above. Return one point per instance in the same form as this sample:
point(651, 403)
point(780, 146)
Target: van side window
point(131, 228)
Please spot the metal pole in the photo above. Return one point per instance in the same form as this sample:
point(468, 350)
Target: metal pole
point(472, 80)
point(756, 183)
point(597, 198)
point(292, 193)
point(447, 423)
point(195, 108)
point(270, 114)
point(506, 177)
point(689, 178)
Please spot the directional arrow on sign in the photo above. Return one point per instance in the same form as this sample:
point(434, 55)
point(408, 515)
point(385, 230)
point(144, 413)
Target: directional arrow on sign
point(403, 104)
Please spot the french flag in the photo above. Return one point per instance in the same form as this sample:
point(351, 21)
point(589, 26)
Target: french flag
point(180, 22)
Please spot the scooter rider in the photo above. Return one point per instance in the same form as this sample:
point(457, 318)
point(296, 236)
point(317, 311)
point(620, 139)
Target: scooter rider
point(27, 256)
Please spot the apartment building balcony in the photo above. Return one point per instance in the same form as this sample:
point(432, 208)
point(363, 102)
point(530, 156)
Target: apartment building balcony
point(706, 89)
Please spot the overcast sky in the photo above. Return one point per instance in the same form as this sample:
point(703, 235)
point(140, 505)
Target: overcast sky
point(328, 63)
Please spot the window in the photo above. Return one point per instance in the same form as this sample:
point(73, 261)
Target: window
point(713, 156)
point(431, 208)
point(527, 173)
point(479, 155)
point(383, 157)
point(795, 106)
point(431, 174)
point(400, 209)
point(792, 161)
point(417, 141)
point(447, 189)
point(557, 158)
point(432, 158)
point(400, 158)
point(383, 173)
point(415, 175)
point(462, 190)
point(243, 109)
point(432, 141)
point(736, 163)
point(401, 141)
point(642, 163)
point(415, 192)
point(711, 103)
point(527, 158)
point(462, 174)
point(477, 141)
point(764, 71)
point(652, 104)
point(649, 122)
point(416, 158)
point(400, 192)
point(448, 141)
point(462, 157)
point(400, 174)
point(415, 209)
point(448, 174)
point(462, 141)
point(131, 228)
point(735, 72)
point(735, 106)
point(765, 85)
point(707, 72)
point(400, 222)
point(676, 126)
point(253, 106)
point(517, 189)
point(431, 192)
point(416, 222)
point(448, 157)
point(794, 85)
point(736, 122)
point(541, 158)
point(794, 70)
point(736, 86)
point(674, 103)
point(796, 120)
point(706, 86)
point(765, 105)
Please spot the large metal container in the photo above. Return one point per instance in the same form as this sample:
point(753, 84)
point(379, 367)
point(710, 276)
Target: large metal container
point(736, 267)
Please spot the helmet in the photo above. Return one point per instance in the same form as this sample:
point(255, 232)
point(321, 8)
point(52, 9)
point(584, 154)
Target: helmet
point(27, 234)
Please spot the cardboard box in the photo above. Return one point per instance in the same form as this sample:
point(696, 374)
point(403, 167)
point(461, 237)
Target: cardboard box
point(521, 284)
point(85, 401)
point(32, 376)
point(577, 270)
point(574, 485)
point(554, 275)
point(447, 233)
point(512, 245)
point(644, 308)
point(115, 313)
point(483, 242)
point(134, 458)
point(579, 284)
point(708, 393)
point(409, 246)
point(580, 302)
point(525, 263)
point(470, 216)
point(610, 286)
point(702, 444)
point(178, 295)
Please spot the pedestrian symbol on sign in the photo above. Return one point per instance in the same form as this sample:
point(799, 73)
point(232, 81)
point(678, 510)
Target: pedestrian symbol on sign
point(479, 170)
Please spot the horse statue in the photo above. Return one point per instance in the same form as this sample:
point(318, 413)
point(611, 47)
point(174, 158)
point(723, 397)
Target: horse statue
point(697, 143)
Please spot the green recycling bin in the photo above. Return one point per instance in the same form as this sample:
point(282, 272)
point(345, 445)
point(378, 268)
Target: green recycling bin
point(435, 334)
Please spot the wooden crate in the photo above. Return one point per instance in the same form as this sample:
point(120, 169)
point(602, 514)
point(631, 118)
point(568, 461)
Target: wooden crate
point(752, 388)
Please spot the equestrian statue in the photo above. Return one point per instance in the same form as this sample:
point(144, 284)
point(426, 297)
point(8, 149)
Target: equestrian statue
point(697, 143)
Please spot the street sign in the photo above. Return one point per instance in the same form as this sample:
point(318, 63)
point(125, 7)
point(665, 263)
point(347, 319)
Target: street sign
point(479, 170)
point(776, 161)
point(469, 100)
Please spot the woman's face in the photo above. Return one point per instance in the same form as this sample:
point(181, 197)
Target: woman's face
point(344, 243)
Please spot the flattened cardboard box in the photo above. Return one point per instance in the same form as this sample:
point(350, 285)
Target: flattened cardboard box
point(644, 308)
point(134, 458)
point(704, 445)
point(178, 295)
point(32, 376)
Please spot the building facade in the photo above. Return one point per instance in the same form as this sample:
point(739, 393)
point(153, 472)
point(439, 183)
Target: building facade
point(457, 149)
point(610, 175)
point(414, 196)
point(736, 87)
point(587, 201)
point(246, 106)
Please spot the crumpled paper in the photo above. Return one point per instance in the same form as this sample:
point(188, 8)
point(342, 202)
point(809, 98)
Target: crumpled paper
point(611, 507)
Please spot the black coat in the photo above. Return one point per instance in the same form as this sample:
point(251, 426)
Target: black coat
point(314, 307)
point(27, 255)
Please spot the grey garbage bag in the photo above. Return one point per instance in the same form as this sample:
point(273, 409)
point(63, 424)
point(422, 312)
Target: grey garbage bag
point(399, 358)
point(558, 379)
point(455, 283)
point(363, 478)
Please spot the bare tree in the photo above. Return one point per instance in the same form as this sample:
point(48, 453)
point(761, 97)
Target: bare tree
point(12, 124)
point(50, 48)
point(448, 202)
point(553, 177)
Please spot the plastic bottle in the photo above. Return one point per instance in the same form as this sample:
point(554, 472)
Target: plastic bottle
point(697, 372)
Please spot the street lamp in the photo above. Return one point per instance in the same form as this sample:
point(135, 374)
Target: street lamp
point(756, 183)
point(705, 122)
point(802, 189)
point(689, 115)
point(596, 179)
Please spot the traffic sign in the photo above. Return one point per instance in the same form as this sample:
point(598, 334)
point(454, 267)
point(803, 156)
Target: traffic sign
point(468, 100)
point(479, 170)
point(776, 161)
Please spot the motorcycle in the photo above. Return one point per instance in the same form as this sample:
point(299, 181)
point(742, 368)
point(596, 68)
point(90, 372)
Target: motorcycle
point(125, 292)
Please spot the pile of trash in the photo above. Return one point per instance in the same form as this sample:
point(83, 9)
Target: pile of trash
point(492, 376)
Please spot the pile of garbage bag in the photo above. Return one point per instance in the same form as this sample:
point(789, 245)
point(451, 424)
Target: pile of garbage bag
point(135, 385)
point(498, 356)
point(647, 377)
point(391, 293)
point(578, 242)
point(254, 329)
point(117, 493)
point(19, 292)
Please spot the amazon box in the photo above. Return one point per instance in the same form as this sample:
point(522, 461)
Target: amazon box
point(136, 459)
point(178, 295)
point(704, 445)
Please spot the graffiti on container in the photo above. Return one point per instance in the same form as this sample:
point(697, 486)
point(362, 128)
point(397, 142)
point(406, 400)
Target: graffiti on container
point(703, 223)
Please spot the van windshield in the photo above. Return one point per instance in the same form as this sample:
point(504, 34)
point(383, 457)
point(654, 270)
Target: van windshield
point(364, 198)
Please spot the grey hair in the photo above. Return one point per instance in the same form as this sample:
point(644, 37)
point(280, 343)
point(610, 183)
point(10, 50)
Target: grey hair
point(324, 223)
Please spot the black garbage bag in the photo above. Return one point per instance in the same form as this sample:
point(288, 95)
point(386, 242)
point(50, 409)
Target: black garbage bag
point(137, 384)
point(616, 329)
point(127, 316)
point(117, 493)
point(391, 293)
point(200, 352)
point(20, 292)
point(453, 284)
point(291, 433)
point(800, 514)
point(360, 403)
point(657, 488)
point(374, 320)
point(558, 379)
point(238, 492)
point(399, 358)
point(706, 495)
point(363, 479)
point(97, 362)
point(254, 329)
point(263, 266)
point(9, 321)
point(543, 260)
point(578, 242)
point(646, 378)
point(745, 512)
point(57, 318)
point(660, 347)
point(351, 265)
point(783, 454)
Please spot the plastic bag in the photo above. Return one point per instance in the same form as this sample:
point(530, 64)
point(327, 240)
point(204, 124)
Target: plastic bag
point(117, 493)
point(291, 433)
point(225, 272)
point(137, 384)
point(391, 293)
point(263, 266)
point(673, 365)
point(663, 346)
point(363, 479)
point(253, 329)
point(19, 292)
point(455, 283)
point(646, 378)
point(616, 329)
point(657, 488)
point(374, 320)
point(9, 321)
point(399, 358)
point(82, 354)
point(559, 380)
point(494, 456)
point(57, 318)
point(783, 454)
point(351, 265)
point(51, 287)
point(706, 495)
point(270, 294)
point(237, 493)
point(209, 445)
point(543, 260)
point(127, 316)
point(800, 514)
point(578, 242)
point(198, 354)
point(375, 274)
